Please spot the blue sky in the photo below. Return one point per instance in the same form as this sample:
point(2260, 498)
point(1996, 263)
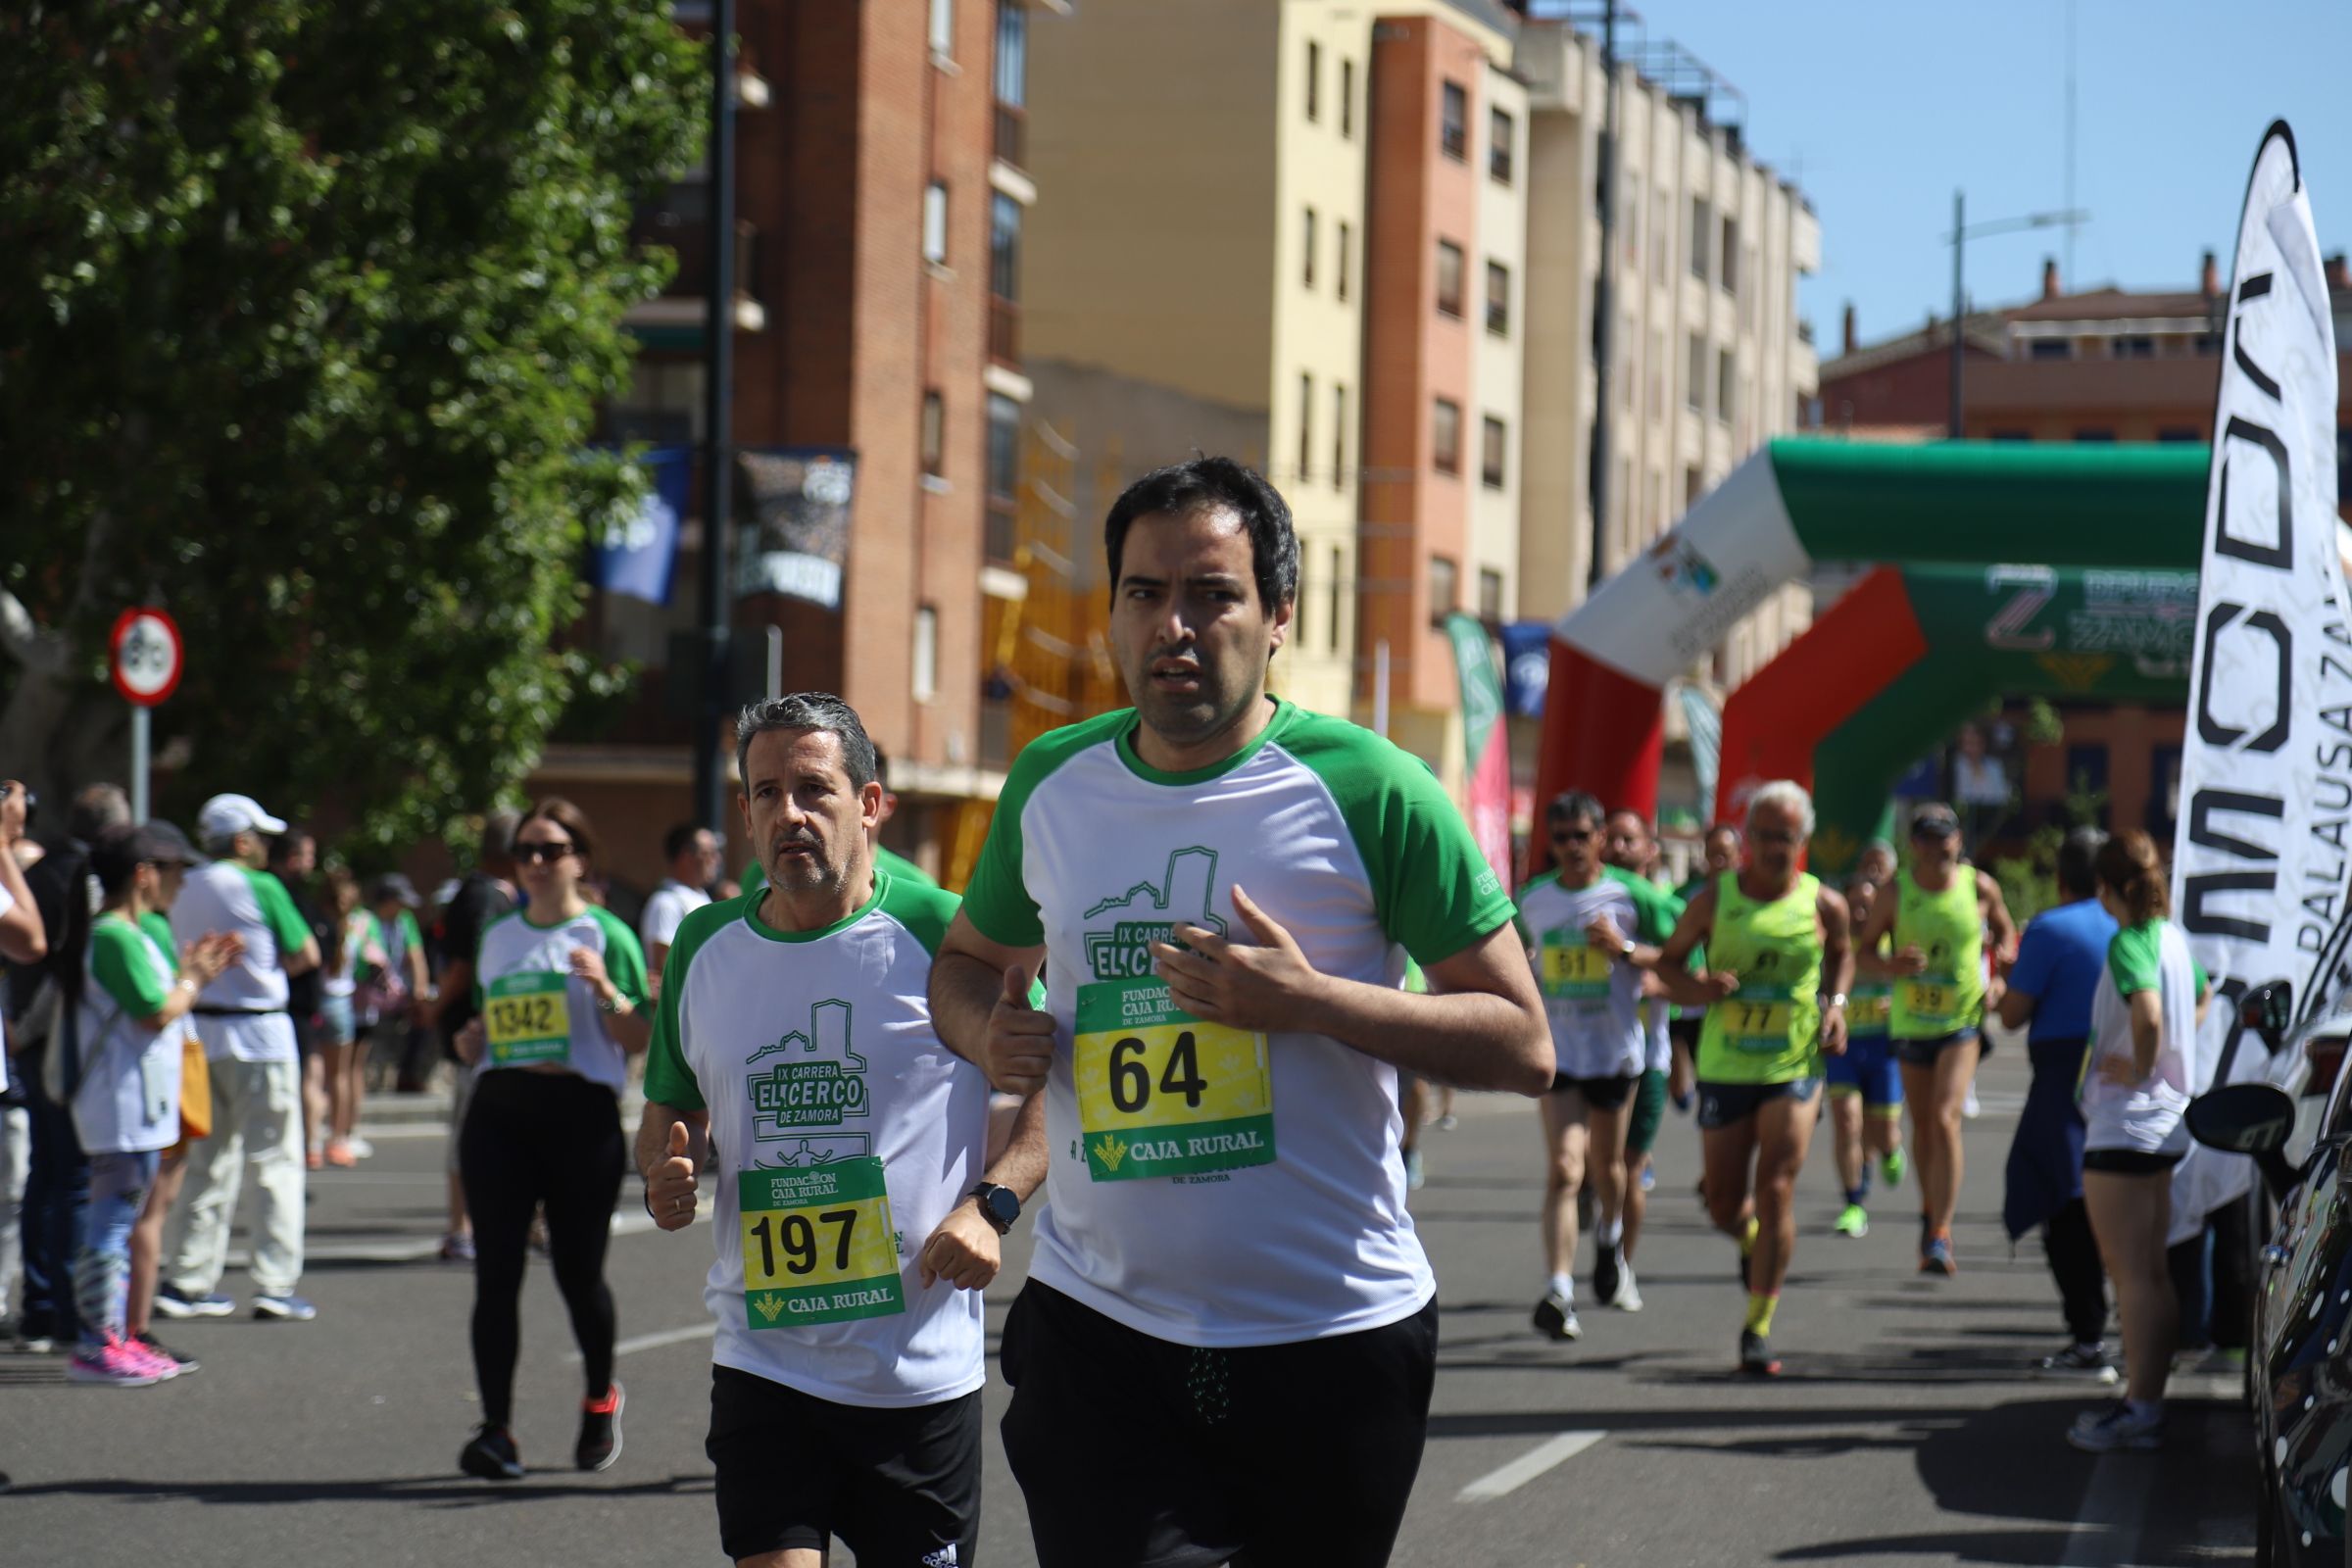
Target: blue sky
point(1879, 109)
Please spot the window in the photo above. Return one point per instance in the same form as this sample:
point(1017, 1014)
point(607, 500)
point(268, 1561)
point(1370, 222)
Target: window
point(1498, 146)
point(1498, 298)
point(1694, 380)
point(1306, 273)
point(2174, 433)
point(1314, 80)
point(1629, 375)
point(1348, 98)
point(1493, 438)
point(1449, 277)
point(943, 28)
point(1444, 588)
point(1012, 54)
point(1453, 138)
point(2094, 434)
point(1657, 373)
point(926, 652)
point(1724, 401)
point(1004, 447)
point(935, 223)
point(1629, 213)
point(1445, 436)
point(2134, 348)
point(1701, 234)
point(1306, 425)
point(1731, 254)
point(2050, 348)
point(1005, 247)
point(1341, 260)
point(1490, 596)
point(1331, 590)
point(934, 431)
point(1339, 438)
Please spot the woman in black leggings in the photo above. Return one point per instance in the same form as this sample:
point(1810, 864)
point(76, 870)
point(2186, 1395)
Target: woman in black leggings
point(559, 984)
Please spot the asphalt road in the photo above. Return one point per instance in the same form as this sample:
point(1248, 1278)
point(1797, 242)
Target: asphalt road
point(1906, 1431)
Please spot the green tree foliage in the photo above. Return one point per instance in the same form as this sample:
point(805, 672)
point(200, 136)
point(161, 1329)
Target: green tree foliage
point(305, 306)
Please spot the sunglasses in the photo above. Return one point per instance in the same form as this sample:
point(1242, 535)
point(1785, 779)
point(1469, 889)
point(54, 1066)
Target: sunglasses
point(1777, 836)
point(535, 853)
point(1573, 835)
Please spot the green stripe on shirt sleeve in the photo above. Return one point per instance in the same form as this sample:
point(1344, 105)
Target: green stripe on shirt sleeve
point(278, 913)
point(669, 1080)
point(2136, 957)
point(624, 958)
point(123, 970)
point(998, 901)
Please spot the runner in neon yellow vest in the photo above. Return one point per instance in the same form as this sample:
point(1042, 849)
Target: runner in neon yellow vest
point(1937, 923)
point(1778, 967)
point(1865, 1085)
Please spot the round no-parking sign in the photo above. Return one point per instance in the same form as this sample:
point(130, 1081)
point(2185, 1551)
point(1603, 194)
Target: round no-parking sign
point(146, 657)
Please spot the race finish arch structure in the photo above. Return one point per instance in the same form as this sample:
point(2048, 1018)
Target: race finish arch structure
point(1995, 568)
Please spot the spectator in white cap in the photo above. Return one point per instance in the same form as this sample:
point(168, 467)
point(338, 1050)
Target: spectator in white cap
point(257, 1075)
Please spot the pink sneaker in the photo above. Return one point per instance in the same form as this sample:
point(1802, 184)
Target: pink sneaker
point(163, 1367)
point(114, 1362)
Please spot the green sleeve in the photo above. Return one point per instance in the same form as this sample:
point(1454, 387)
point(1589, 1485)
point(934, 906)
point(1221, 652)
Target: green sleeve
point(753, 878)
point(901, 868)
point(624, 958)
point(2134, 958)
point(1527, 932)
point(922, 908)
point(1662, 913)
point(669, 1080)
point(278, 913)
point(120, 963)
point(2204, 980)
point(410, 933)
point(160, 928)
point(1431, 885)
point(997, 901)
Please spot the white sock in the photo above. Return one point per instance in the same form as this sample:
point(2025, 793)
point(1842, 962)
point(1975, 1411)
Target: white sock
point(1561, 1286)
point(1610, 1233)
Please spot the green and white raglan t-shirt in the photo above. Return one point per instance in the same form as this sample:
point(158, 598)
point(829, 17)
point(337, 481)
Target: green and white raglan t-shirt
point(1211, 1186)
point(1660, 911)
point(128, 1098)
point(2147, 1117)
point(1591, 1001)
point(242, 1014)
point(536, 1012)
point(845, 1132)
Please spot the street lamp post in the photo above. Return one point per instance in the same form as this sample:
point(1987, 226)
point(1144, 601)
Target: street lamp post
point(718, 366)
point(1960, 235)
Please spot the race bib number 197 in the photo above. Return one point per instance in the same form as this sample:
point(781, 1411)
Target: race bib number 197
point(818, 1246)
point(1162, 1093)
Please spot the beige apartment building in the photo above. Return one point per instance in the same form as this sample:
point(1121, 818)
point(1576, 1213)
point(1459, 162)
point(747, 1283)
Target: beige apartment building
point(1709, 359)
point(1209, 187)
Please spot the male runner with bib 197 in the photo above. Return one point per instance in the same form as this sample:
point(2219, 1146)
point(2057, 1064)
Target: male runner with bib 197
point(1227, 1343)
point(855, 1227)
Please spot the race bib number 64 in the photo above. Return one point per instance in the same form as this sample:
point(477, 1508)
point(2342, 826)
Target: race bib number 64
point(1162, 1092)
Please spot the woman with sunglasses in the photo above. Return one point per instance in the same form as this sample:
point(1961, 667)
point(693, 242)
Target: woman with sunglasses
point(559, 984)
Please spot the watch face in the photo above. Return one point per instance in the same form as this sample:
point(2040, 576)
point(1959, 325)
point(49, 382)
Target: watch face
point(1001, 1206)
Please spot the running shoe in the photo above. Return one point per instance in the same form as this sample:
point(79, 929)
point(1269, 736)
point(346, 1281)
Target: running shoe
point(1629, 1294)
point(113, 1364)
point(284, 1308)
point(1892, 1166)
point(1554, 1317)
point(1756, 1359)
point(313, 1161)
point(181, 1360)
point(1414, 1174)
point(599, 1429)
point(1649, 1178)
point(35, 1344)
point(491, 1455)
point(1608, 1270)
point(1972, 1108)
point(1935, 1258)
point(2088, 1362)
point(165, 1367)
point(360, 1147)
point(341, 1154)
point(1449, 1122)
point(457, 1247)
point(2116, 1427)
point(173, 1303)
point(1853, 1221)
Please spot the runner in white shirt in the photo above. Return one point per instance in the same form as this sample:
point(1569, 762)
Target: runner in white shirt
point(855, 1227)
point(559, 985)
point(694, 865)
point(257, 1077)
point(1224, 890)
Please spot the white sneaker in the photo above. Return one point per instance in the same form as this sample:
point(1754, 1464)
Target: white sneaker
point(1972, 1108)
point(1629, 1294)
point(361, 1148)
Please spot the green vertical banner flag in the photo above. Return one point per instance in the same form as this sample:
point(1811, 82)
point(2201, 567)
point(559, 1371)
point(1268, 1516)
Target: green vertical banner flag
point(1487, 738)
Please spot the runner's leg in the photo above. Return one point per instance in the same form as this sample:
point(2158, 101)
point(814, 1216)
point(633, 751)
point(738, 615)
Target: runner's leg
point(1845, 1129)
point(498, 1151)
point(579, 1203)
point(1726, 1153)
point(1784, 1127)
point(1955, 1068)
point(1604, 1163)
point(1565, 1139)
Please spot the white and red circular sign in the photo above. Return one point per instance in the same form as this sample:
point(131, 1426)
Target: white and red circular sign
point(145, 655)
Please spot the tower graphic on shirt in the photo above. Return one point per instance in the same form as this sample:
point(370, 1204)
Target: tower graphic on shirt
point(805, 1089)
point(1146, 914)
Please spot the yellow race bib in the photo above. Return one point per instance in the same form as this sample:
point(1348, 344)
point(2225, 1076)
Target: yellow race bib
point(1573, 968)
point(818, 1246)
point(1757, 1018)
point(1162, 1093)
point(528, 1018)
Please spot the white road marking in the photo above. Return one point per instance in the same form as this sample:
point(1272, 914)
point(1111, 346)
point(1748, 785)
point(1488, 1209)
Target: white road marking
point(1529, 1465)
point(654, 1342)
point(2114, 1512)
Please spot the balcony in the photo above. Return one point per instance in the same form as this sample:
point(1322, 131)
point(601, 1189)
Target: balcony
point(1013, 135)
point(1004, 330)
point(679, 310)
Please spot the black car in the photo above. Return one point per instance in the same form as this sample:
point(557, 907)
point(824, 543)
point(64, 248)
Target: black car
point(2299, 1368)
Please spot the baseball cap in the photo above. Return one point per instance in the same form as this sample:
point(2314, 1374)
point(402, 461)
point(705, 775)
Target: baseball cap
point(1935, 820)
point(393, 885)
point(227, 815)
point(123, 851)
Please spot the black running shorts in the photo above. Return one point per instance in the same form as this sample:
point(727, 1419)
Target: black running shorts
point(1601, 1094)
point(1135, 1452)
point(896, 1485)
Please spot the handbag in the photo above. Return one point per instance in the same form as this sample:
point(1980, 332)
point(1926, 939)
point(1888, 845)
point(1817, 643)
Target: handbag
point(195, 1089)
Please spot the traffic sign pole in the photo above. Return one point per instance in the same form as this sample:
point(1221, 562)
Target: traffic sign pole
point(146, 663)
point(139, 720)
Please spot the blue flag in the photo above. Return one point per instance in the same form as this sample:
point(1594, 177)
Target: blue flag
point(1526, 667)
point(639, 549)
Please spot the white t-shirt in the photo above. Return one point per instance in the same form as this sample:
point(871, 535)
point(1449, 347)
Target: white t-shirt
point(129, 1097)
point(230, 896)
point(813, 1054)
point(1209, 1186)
point(536, 1011)
point(673, 901)
point(1592, 1000)
point(2150, 956)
